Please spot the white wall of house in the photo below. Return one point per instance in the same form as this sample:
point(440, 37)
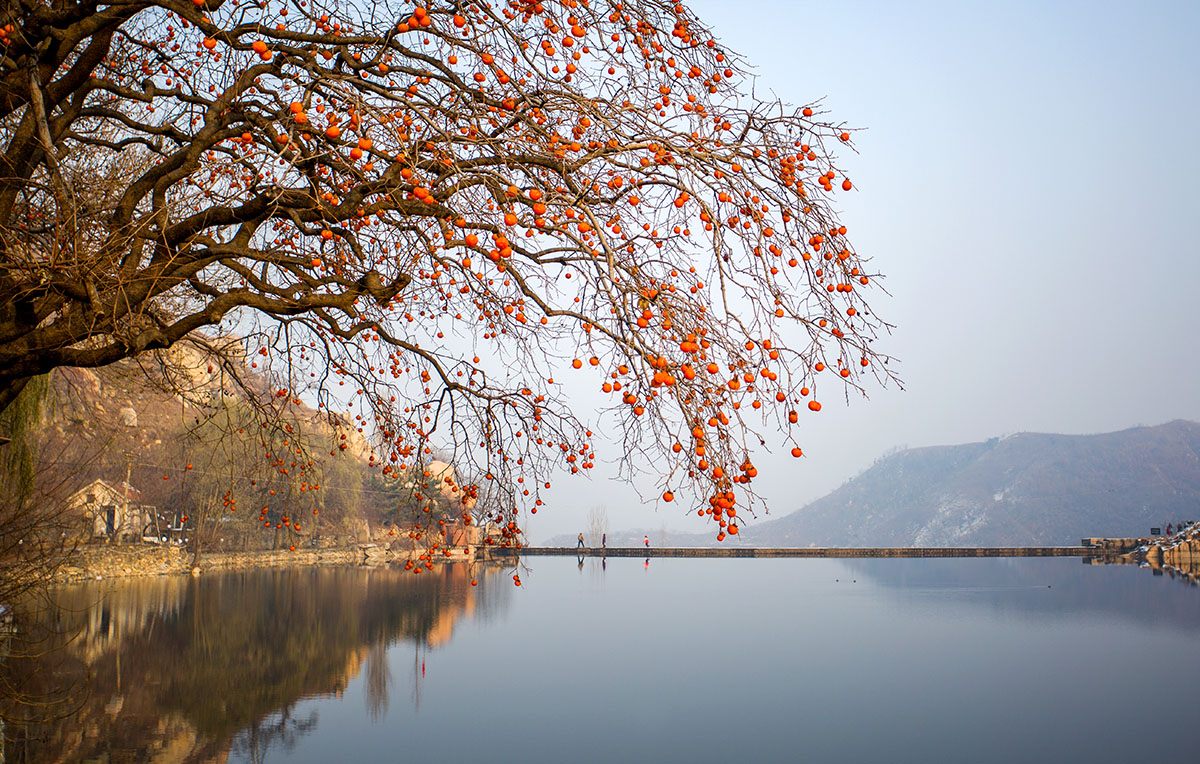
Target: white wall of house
point(110, 511)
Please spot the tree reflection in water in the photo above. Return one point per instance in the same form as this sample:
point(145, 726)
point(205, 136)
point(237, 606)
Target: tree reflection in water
point(378, 680)
point(275, 729)
point(131, 670)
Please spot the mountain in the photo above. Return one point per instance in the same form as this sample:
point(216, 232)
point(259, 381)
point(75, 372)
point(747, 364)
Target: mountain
point(1025, 489)
point(1029, 489)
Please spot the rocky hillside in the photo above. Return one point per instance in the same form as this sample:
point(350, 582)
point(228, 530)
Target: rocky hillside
point(180, 427)
point(1025, 489)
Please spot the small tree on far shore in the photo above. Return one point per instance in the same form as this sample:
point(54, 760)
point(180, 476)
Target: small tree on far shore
point(597, 524)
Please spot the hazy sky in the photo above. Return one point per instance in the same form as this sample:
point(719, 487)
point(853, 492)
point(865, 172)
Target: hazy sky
point(1027, 181)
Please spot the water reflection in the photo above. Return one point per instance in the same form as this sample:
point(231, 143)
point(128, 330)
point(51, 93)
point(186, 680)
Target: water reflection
point(281, 730)
point(986, 660)
point(1186, 568)
point(1113, 588)
point(187, 669)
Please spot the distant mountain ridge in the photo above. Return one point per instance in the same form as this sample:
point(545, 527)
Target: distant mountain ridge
point(1027, 489)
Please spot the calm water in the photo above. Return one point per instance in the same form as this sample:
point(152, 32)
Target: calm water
point(675, 660)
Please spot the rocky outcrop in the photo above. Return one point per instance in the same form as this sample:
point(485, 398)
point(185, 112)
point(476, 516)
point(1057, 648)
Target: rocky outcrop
point(1178, 553)
point(1184, 554)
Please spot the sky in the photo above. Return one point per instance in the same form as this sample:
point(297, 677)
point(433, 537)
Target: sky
point(1027, 182)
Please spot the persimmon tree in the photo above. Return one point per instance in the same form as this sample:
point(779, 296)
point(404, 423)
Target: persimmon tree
point(431, 213)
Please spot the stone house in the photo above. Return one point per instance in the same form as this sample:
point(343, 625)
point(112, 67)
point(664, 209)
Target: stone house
point(111, 510)
point(459, 534)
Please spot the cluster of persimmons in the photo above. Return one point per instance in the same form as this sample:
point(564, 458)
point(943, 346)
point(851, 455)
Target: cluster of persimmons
point(425, 213)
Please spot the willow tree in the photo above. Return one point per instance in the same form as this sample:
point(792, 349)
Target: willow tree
point(430, 212)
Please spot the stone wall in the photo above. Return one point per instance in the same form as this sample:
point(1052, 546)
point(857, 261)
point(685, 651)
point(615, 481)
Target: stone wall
point(1179, 552)
point(127, 560)
point(117, 560)
point(1113, 546)
point(1184, 555)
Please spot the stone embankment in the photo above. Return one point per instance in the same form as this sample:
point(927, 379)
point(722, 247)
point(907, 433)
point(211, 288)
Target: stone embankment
point(131, 560)
point(1178, 553)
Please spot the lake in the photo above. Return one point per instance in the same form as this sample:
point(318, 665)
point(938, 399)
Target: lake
point(712, 660)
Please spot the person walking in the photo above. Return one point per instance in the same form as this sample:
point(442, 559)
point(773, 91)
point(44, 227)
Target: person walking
point(580, 544)
point(646, 541)
point(604, 540)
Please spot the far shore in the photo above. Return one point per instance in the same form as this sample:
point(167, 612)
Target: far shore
point(103, 561)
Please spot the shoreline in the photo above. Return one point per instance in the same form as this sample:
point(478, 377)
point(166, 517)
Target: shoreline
point(100, 562)
point(103, 561)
